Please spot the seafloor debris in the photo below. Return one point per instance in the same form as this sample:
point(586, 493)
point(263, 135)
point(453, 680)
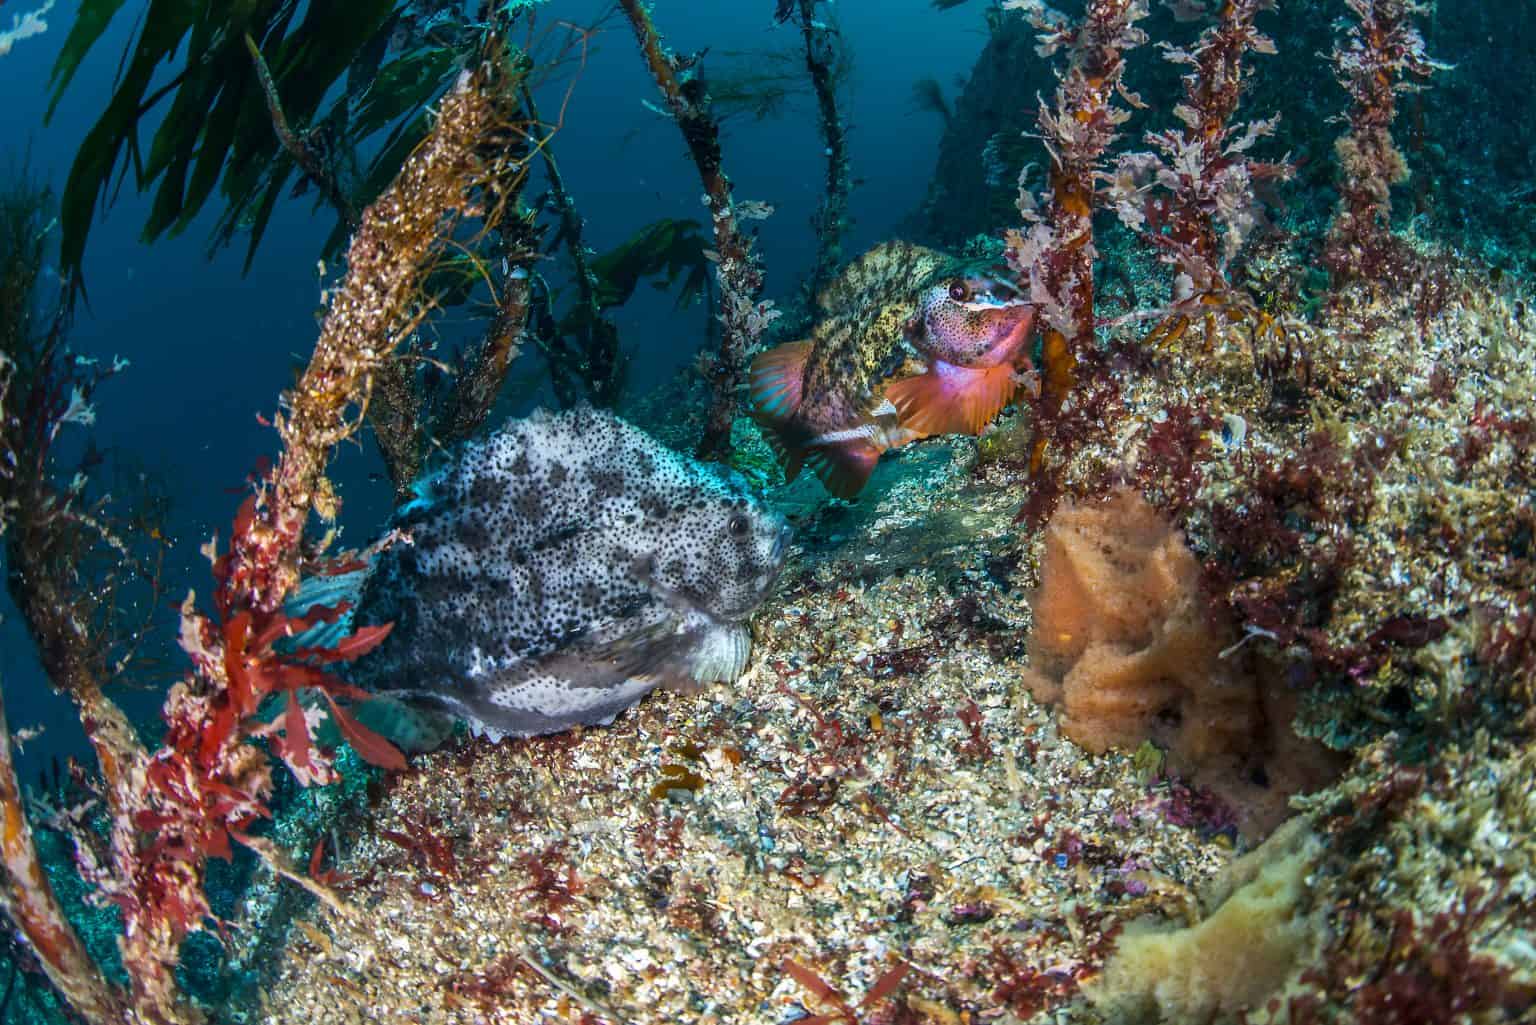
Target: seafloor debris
point(881, 791)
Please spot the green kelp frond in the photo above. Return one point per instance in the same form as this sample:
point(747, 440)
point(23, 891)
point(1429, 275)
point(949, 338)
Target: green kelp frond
point(670, 249)
point(380, 66)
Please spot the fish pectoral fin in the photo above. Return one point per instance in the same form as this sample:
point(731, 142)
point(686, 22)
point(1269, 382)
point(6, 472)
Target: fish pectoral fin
point(721, 652)
point(952, 400)
point(777, 389)
point(631, 653)
point(777, 381)
point(844, 459)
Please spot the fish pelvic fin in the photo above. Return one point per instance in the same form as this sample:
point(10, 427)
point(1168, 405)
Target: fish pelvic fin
point(845, 458)
point(844, 466)
point(793, 460)
point(952, 400)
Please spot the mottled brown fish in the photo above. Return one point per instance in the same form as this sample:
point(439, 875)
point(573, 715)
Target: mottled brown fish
point(824, 402)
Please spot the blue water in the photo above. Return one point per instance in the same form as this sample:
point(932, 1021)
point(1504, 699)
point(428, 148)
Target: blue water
point(211, 347)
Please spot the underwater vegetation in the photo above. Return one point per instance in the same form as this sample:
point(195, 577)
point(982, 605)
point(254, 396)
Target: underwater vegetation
point(1157, 643)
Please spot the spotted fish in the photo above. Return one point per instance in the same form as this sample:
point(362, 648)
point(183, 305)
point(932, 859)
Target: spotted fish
point(975, 331)
point(556, 572)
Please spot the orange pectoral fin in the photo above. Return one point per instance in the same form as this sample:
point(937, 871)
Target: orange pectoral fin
point(952, 400)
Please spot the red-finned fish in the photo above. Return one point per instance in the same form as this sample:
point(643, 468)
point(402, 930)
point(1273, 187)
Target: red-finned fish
point(975, 331)
point(826, 402)
point(820, 400)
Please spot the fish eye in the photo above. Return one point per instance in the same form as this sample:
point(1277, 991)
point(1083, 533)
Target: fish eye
point(959, 290)
point(737, 526)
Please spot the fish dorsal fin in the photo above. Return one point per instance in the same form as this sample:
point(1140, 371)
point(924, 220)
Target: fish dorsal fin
point(887, 271)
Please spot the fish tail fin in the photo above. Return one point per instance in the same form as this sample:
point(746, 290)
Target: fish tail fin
point(844, 466)
point(412, 728)
point(950, 399)
point(324, 591)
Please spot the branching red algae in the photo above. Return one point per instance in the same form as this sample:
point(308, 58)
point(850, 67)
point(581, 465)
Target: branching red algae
point(1379, 55)
point(1053, 256)
point(174, 808)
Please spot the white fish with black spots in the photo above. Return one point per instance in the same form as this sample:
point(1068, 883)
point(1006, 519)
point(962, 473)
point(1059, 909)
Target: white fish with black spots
point(556, 572)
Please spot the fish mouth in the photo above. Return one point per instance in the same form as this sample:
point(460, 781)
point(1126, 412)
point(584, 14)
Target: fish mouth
point(766, 580)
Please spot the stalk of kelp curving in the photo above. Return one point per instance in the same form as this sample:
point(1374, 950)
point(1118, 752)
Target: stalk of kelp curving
point(69, 602)
point(822, 58)
point(742, 315)
point(34, 910)
point(590, 366)
point(25, 893)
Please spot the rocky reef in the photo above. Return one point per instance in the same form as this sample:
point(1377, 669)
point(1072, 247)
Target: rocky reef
point(1201, 686)
point(882, 823)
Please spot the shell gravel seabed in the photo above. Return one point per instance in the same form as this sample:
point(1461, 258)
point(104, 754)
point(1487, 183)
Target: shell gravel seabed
point(878, 790)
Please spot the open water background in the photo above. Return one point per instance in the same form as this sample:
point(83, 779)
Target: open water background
point(211, 347)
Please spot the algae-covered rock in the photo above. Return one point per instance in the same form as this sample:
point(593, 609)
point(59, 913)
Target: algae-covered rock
point(1234, 960)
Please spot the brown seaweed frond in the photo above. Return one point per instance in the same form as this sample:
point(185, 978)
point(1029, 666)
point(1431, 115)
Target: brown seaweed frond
point(1381, 56)
point(743, 316)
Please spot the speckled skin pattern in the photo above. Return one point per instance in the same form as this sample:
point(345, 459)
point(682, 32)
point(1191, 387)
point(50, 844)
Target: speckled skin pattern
point(856, 345)
point(562, 568)
point(970, 321)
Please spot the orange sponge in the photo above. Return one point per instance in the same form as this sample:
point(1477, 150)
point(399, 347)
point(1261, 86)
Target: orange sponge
point(1123, 645)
